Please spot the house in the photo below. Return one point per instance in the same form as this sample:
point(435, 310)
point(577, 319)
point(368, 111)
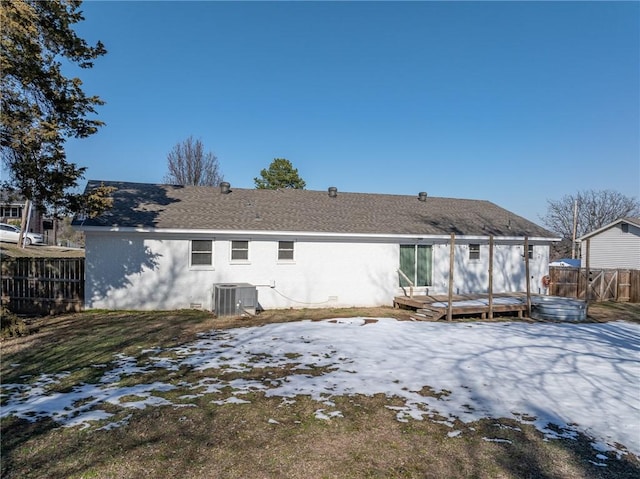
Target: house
point(167, 247)
point(11, 209)
point(614, 246)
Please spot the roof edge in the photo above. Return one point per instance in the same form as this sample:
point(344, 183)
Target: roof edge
point(300, 234)
point(634, 221)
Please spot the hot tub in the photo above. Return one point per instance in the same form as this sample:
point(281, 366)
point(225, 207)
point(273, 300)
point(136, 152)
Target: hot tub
point(558, 308)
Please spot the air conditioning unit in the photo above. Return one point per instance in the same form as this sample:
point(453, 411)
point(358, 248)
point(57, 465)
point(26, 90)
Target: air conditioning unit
point(234, 299)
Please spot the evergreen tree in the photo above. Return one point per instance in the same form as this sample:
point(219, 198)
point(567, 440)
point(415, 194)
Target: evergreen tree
point(41, 107)
point(280, 174)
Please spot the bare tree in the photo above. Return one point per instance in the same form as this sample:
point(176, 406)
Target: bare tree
point(189, 164)
point(586, 211)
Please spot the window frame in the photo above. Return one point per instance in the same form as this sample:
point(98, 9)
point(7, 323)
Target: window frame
point(417, 271)
point(530, 251)
point(282, 250)
point(192, 252)
point(11, 211)
point(233, 249)
point(474, 251)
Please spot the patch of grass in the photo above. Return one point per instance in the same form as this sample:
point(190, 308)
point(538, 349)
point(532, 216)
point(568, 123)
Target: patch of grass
point(430, 392)
point(12, 250)
point(78, 342)
point(272, 440)
point(272, 437)
point(614, 311)
point(12, 326)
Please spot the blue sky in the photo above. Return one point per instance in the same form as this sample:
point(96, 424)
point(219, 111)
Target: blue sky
point(512, 102)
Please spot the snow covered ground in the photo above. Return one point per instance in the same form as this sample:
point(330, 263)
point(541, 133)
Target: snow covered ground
point(573, 377)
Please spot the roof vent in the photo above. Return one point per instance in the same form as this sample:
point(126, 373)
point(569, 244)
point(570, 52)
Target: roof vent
point(333, 192)
point(422, 196)
point(225, 188)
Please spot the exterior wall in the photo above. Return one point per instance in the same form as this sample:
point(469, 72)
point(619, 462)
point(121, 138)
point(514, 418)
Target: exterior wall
point(12, 213)
point(472, 275)
point(152, 272)
point(614, 249)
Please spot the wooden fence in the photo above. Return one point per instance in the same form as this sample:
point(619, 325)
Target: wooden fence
point(602, 284)
point(42, 285)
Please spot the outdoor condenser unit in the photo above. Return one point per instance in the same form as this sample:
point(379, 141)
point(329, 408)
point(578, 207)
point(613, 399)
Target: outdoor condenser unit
point(234, 299)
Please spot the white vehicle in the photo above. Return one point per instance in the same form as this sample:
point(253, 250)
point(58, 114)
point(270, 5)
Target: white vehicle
point(10, 234)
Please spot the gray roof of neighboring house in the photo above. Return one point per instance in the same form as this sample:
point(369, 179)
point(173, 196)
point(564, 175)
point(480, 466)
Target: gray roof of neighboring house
point(10, 197)
point(290, 210)
point(630, 220)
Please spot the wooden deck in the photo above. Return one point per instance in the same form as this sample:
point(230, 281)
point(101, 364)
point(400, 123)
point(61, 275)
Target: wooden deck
point(435, 307)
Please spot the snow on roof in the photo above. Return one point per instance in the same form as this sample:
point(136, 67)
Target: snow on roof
point(573, 263)
point(562, 378)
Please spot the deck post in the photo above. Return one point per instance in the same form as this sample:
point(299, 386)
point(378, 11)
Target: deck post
point(526, 268)
point(451, 263)
point(491, 277)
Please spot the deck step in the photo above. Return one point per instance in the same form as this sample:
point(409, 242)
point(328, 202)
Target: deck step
point(429, 314)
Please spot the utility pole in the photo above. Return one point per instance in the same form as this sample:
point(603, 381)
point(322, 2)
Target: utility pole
point(575, 227)
point(26, 212)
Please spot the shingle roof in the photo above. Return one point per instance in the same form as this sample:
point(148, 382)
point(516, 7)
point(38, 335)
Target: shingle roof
point(630, 219)
point(9, 196)
point(207, 208)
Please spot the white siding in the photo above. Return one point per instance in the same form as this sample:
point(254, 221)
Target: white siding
point(613, 248)
point(150, 272)
point(472, 276)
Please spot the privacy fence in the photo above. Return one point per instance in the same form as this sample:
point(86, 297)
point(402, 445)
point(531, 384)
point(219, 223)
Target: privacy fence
point(42, 285)
point(599, 284)
point(56, 285)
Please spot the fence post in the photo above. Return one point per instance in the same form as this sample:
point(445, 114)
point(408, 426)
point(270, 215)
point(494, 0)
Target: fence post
point(491, 277)
point(587, 292)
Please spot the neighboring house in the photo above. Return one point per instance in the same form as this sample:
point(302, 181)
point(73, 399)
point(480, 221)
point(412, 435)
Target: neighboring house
point(566, 262)
point(11, 208)
point(614, 246)
point(165, 247)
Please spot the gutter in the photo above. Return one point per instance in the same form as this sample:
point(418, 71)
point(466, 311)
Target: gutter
point(298, 234)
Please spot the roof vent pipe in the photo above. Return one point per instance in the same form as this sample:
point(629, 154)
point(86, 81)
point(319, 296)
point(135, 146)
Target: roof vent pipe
point(225, 188)
point(333, 192)
point(422, 196)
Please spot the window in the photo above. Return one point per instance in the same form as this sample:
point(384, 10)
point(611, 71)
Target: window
point(530, 252)
point(239, 251)
point(285, 250)
point(415, 264)
point(201, 253)
point(474, 251)
point(10, 212)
